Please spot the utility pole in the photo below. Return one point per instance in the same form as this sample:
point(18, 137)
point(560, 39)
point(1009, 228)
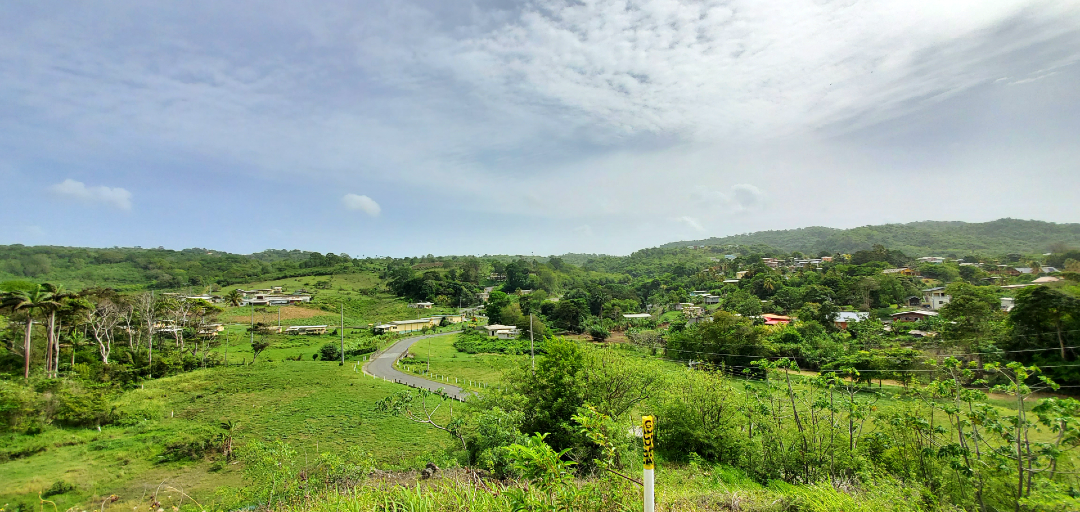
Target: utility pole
point(342, 333)
point(532, 345)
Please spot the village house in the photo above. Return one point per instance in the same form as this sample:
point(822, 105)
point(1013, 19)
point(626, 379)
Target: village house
point(932, 259)
point(400, 326)
point(712, 299)
point(912, 316)
point(503, 332)
point(306, 329)
point(421, 305)
point(844, 318)
point(636, 316)
point(771, 319)
point(692, 311)
point(772, 262)
point(1007, 304)
point(934, 298)
point(899, 271)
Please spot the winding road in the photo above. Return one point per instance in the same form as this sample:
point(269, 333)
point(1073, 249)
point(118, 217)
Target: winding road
point(382, 365)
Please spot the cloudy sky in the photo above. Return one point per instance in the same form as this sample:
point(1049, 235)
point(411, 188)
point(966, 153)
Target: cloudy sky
point(406, 127)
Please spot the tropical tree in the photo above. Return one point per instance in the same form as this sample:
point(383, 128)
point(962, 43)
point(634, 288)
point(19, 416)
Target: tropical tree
point(234, 297)
point(28, 301)
point(1041, 307)
point(52, 351)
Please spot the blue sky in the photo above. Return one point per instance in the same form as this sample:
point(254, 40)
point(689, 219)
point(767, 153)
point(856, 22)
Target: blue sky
point(471, 127)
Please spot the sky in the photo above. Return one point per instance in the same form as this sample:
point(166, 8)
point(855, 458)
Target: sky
point(412, 127)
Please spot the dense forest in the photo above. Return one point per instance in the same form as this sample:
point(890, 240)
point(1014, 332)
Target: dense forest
point(928, 238)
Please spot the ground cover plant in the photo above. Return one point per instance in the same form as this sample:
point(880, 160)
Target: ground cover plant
point(172, 430)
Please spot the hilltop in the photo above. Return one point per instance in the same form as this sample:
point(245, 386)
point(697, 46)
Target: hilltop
point(924, 238)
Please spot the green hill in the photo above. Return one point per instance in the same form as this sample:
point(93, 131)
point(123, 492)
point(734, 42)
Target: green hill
point(924, 238)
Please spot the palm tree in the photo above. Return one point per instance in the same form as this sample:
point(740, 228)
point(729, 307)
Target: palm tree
point(29, 300)
point(234, 297)
point(52, 351)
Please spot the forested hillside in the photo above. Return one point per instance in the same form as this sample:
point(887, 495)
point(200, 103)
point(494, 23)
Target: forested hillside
point(1002, 236)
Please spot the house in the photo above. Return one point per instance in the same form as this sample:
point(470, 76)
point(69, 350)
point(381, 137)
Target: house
point(771, 319)
point(712, 299)
point(1029, 270)
point(453, 319)
point(399, 326)
point(772, 262)
point(844, 318)
point(507, 331)
point(899, 271)
point(1007, 304)
point(697, 293)
point(932, 259)
point(636, 316)
point(913, 316)
point(421, 305)
point(827, 259)
point(681, 305)
point(1007, 270)
point(211, 330)
point(914, 301)
point(934, 298)
point(524, 292)
point(484, 295)
point(306, 329)
point(731, 281)
point(207, 298)
point(1046, 279)
point(497, 277)
point(740, 274)
point(692, 311)
point(730, 256)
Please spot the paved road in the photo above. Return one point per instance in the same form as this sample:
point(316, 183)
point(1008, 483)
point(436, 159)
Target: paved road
point(382, 365)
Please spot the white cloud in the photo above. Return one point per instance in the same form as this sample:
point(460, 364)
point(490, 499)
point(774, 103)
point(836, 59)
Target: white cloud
point(361, 202)
point(112, 196)
point(711, 70)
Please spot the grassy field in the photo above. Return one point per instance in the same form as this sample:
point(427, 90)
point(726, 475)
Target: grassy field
point(315, 406)
point(365, 301)
point(468, 368)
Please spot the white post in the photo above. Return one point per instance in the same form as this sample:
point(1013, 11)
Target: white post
point(648, 426)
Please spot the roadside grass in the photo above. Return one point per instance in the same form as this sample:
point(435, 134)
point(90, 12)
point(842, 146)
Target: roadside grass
point(467, 368)
point(314, 406)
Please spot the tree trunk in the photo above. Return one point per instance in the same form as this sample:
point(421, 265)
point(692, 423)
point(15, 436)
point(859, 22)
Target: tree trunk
point(1061, 341)
point(56, 352)
point(26, 342)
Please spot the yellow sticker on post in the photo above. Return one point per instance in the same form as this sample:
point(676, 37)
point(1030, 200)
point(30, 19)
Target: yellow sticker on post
point(648, 427)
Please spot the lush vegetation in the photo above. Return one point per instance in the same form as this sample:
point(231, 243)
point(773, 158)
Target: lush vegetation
point(929, 238)
point(107, 388)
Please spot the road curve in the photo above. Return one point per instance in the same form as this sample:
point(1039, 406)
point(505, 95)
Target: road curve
point(382, 365)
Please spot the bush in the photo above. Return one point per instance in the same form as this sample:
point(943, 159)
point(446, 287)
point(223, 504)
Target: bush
point(58, 487)
point(330, 352)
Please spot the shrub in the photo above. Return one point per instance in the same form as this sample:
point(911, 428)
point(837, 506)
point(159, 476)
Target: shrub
point(58, 487)
point(329, 352)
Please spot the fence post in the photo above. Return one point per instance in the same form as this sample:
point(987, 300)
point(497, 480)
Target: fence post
point(648, 425)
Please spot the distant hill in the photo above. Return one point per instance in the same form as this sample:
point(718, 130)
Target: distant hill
point(1002, 236)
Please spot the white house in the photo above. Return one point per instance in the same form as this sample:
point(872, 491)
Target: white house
point(421, 305)
point(934, 298)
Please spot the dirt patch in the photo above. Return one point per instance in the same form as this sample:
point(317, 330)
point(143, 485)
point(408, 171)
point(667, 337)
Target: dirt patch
point(270, 315)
